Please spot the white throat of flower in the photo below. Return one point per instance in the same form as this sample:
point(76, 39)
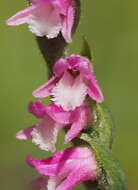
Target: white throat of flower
point(69, 92)
point(45, 21)
point(45, 135)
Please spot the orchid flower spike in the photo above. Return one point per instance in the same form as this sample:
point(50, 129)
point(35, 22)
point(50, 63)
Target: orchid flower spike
point(47, 18)
point(44, 134)
point(73, 79)
point(65, 169)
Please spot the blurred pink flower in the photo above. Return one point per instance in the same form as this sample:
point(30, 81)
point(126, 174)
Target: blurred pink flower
point(54, 118)
point(47, 18)
point(73, 79)
point(65, 169)
point(40, 183)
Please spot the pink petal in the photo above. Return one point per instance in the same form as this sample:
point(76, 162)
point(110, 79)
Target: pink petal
point(22, 16)
point(75, 177)
point(81, 118)
point(67, 168)
point(84, 169)
point(25, 133)
point(61, 6)
point(67, 24)
point(37, 109)
point(81, 64)
point(45, 134)
point(58, 114)
point(45, 21)
point(43, 168)
point(60, 67)
point(55, 112)
point(45, 90)
point(94, 90)
point(56, 165)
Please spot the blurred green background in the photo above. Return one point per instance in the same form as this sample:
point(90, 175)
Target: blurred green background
point(111, 27)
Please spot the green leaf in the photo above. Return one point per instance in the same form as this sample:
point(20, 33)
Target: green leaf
point(100, 137)
point(102, 127)
point(86, 50)
point(112, 176)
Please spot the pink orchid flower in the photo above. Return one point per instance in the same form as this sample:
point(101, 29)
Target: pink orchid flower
point(44, 134)
point(65, 169)
point(73, 79)
point(47, 18)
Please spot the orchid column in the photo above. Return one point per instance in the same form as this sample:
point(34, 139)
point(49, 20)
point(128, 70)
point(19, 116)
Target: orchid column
point(76, 105)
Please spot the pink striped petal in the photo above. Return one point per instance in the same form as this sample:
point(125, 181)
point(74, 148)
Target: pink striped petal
point(58, 114)
point(94, 90)
point(45, 134)
point(45, 21)
point(25, 133)
point(67, 168)
point(75, 177)
point(22, 16)
point(55, 165)
point(60, 67)
point(45, 90)
point(67, 24)
point(81, 117)
point(81, 64)
point(37, 109)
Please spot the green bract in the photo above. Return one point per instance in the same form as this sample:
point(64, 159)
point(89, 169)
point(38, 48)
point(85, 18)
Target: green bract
point(100, 138)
